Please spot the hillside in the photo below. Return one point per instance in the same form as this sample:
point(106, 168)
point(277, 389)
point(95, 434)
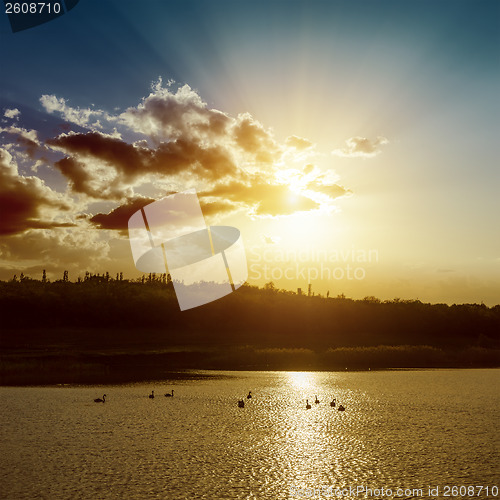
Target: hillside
point(104, 329)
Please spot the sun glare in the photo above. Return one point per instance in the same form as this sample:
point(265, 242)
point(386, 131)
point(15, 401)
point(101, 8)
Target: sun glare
point(300, 380)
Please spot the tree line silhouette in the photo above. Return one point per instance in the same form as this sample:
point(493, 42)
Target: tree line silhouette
point(116, 325)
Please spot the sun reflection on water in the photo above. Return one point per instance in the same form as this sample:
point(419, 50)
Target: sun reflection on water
point(301, 380)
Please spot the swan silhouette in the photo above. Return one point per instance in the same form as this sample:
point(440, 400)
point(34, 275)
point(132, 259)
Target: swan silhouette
point(317, 400)
point(308, 406)
point(168, 395)
point(332, 404)
point(249, 395)
point(241, 403)
point(341, 408)
point(152, 395)
point(99, 400)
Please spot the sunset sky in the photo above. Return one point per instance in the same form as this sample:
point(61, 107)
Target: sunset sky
point(353, 143)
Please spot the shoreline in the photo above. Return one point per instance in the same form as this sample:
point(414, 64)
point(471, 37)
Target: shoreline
point(51, 356)
point(129, 369)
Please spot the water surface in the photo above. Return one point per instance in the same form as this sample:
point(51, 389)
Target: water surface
point(408, 429)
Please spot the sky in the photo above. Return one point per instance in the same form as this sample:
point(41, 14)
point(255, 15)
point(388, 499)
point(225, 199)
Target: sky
point(353, 143)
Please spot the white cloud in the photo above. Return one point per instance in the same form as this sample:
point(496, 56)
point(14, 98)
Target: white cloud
point(298, 143)
point(78, 116)
point(22, 133)
point(270, 240)
point(361, 147)
point(75, 249)
point(12, 113)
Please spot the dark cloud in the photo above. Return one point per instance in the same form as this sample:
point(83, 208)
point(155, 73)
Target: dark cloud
point(23, 200)
point(124, 157)
point(252, 138)
point(118, 218)
point(87, 154)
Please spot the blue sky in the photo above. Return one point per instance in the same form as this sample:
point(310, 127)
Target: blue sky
point(423, 75)
point(109, 51)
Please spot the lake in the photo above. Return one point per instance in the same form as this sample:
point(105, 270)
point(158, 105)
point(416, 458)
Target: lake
point(402, 431)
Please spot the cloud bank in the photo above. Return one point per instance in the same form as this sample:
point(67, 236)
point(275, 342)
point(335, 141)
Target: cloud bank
point(111, 164)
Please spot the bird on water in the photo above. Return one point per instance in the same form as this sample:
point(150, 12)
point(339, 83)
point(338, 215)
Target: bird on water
point(169, 395)
point(308, 406)
point(152, 395)
point(341, 408)
point(99, 400)
point(333, 403)
point(316, 400)
point(249, 395)
point(241, 403)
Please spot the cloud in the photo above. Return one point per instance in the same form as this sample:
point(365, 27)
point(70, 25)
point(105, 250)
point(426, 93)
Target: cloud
point(27, 139)
point(263, 198)
point(217, 207)
point(361, 147)
point(104, 167)
point(270, 240)
point(182, 140)
point(233, 162)
point(117, 218)
point(27, 202)
point(331, 189)
point(168, 142)
point(167, 114)
point(12, 113)
point(55, 249)
point(254, 140)
point(81, 117)
point(183, 115)
point(298, 143)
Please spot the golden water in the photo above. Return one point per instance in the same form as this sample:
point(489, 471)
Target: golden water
point(401, 429)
